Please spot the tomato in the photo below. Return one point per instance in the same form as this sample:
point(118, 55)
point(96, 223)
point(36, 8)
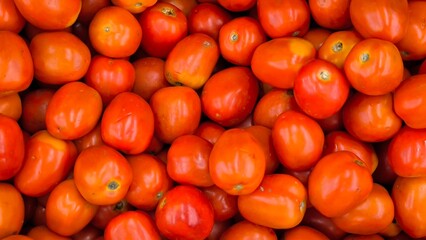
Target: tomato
point(374, 67)
point(237, 162)
point(105, 213)
point(384, 19)
point(93, 138)
point(320, 89)
point(149, 76)
point(102, 175)
point(67, 212)
point(384, 173)
point(42, 232)
point(318, 221)
point(49, 15)
point(127, 123)
point(89, 8)
point(239, 38)
point(11, 106)
point(408, 197)
point(131, 225)
point(237, 5)
point(88, 233)
point(371, 118)
point(338, 183)
point(247, 230)
point(115, 32)
point(317, 36)
point(298, 140)
point(59, 57)
point(16, 63)
point(10, 18)
point(422, 67)
point(218, 229)
point(331, 14)
point(280, 202)
point(409, 101)
point(207, 18)
point(48, 161)
point(12, 148)
point(281, 57)
point(177, 112)
point(284, 18)
point(303, 232)
point(192, 60)
point(134, 6)
point(17, 237)
point(236, 83)
point(150, 181)
point(11, 210)
point(210, 131)
point(332, 123)
point(337, 46)
point(184, 212)
point(224, 204)
point(392, 230)
point(162, 19)
point(185, 6)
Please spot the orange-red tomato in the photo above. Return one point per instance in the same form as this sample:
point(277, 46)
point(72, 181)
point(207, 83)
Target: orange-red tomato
point(184, 5)
point(247, 230)
point(218, 229)
point(210, 131)
point(224, 204)
point(318, 221)
point(12, 148)
point(93, 138)
point(102, 175)
point(89, 8)
point(149, 76)
point(43, 232)
point(317, 36)
point(332, 14)
point(332, 123)
point(303, 232)
point(134, 6)
point(237, 5)
point(11, 106)
point(106, 213)
point(11, 210)
point(10, 18)
point(132, 225)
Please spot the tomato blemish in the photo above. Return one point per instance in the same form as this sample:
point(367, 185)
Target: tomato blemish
point(113, 185)
point(337, 47)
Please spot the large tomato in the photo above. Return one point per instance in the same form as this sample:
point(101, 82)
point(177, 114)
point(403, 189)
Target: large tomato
point(132, 225)
point(11, 210)
point(332, 14)
point(247, 230)
point(12, 148)
point(10, 18)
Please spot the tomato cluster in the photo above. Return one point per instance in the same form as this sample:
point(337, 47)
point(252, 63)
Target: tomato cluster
point(212, 119)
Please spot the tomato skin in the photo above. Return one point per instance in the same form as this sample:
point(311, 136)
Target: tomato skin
point(192, 60)
point(303, 232)
point(89, 8)
point(184, 5)
point(127, 123)
point(149, 76)
point(409, 101)
point(93, 138)
point(247, 230)
point(42, 232)
point(224, 205)
point(12, 148)
point(48, 161)
point(105, 213)
point(11, 106)
point(236, 83)
point(384, 173)
point(210, 131)
point(131, 225)
point(207, 18)
point(324, 224)
point(11, 210)
point(184, 213)
point(363, 237)
point(280, 202)
point(67, 212)
point(338, 183)
point(298, 140)
point(10, 17)
point(281, 57)
point(34, 105)
point(134, 6)
point(237, 162)
point(102, 175)
point(317, 36)
point(332, 15)
point(237, 5)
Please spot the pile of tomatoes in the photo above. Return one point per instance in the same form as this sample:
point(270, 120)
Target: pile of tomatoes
point(212, 119)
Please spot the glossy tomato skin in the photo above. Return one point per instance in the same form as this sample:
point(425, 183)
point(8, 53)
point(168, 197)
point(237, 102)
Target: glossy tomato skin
point(246, 230)
point(10, 17)
point(237, 162)
point(237, 5)
point(224, 204)
point(34, 106)
point(47, 162)
point(11, 105)
point(332, 15)
point(11, 210)
point(236, 83)
point(209, 131)
point(43, 232)
point(192, 60)
point(127, 123)
point(184, 213)
point(13, 148)
point(105, 213)
point(184, 5)
point(134, 6)
point(132, 225)
point(281, 57)
point(317, 36)
point(93, 138)
point(207, 18)
point(353, 178)
point(303, 232)
point(149, 76)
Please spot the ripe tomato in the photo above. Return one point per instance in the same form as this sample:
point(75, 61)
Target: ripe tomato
point(384, 173)
point(87, 233)
point(16, 63)
point(49, 15)
point(210, 131)
point(59, 57)
point(177, 112)
point(17, 237)
point(127, 123)
point(11, 106)
point(281, 57)
point(105, 213)
point(409, 197)
point(73, 111)
point(115, 32)
point(224, 204)
point(67, 212)
point(89, 8)
point(410, 102)
point(247, 230)
point(331, 14)
point(42, 232)
point(317, 36)
point(239, 38)
point(320, 89)
point(192, 60)
point(48, 161)
point(218, 229)
point(374, 66)
point(10, 18)
point(149, 76)
point(207, 18)
point(237, 5)
point(371, 118)
point(318, 221)
point(12, 148)
point(363, 237)
point(184, 5)
point(184, 213)
point(338, 183)
point(93, 138)
point(102, 175)
point(236, 83)
point(280, 202)
point(384, 19)
point(237, 162)
point(134, 6)
point(298, 140)
point(11, 210)
point(333, 123)
point(303, 232)
point(162, 19)
point(150, 181)
point(131, 225)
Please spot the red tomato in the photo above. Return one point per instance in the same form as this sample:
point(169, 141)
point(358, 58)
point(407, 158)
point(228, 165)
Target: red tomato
point(102, 175)
point(247, 230)
point(281, 57)
point(332, 14)
point(338, 183)
point(184, 213)
point(207, 18)
point(284, 18)
point(184, 5)
point(218, 229)
point(318, 221)
point(10, 18)
point(134, 6)
point(303, 232)
point(237, 5)
point(34, 106)
point(128, 123)
point(11, 106)
point(237, 162)
point(93, 138)
point(210, 131)
point(132, 225)
point(89, 8)
point(88, 233)
point(384, 173)
point(12, 148)
point(149, 76)
point(317, 36)
point(11, 210)
point(230, 95)
point(42, 232)
point(298, 140)
point(107, 212)
point(333, 123)
point(224, 204)
point(17, 237)
point(48, 161)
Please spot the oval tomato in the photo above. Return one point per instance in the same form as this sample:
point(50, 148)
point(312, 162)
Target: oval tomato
point(224, 204)
point(10, 17)
point(247, 230)
point(11, 210)
point(132, 225)
point(12, 148)
point(332, 14)
point(303, 232)
point(149, 76)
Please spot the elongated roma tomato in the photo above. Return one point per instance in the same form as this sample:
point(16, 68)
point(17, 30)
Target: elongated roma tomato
point(192, 60)
point(12, 148)
point(12, 210)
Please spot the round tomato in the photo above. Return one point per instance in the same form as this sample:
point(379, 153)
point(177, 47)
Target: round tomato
point(11, 210)
point(131, 225)
point(134, 6)
point(107, 212)
point(247, 230)
point(149, 76)
point(237, 5)
point(303, 232)
point(224, 204)
point(332, 14)
point(10, 18)
point(12, 148)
